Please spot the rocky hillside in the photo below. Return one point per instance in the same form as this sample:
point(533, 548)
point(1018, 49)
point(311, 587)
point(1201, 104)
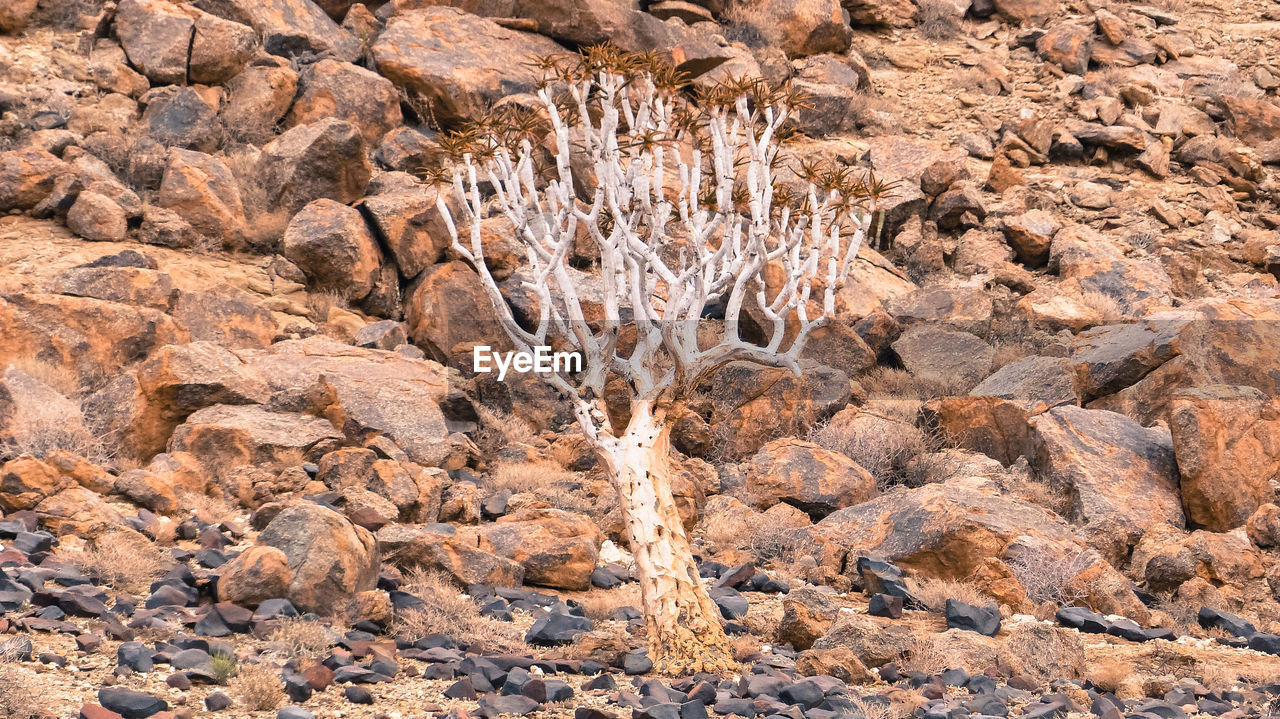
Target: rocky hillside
point(247, 469)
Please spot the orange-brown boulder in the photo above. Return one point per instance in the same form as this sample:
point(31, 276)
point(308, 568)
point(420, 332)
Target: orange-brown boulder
point(806, 476)
point(1227, 443)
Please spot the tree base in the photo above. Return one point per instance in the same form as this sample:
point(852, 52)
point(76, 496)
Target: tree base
point(683, 652)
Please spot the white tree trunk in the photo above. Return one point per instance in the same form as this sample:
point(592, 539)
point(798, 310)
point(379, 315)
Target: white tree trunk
point(685, 634)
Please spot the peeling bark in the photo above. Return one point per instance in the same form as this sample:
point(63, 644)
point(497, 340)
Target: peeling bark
point(685, 634)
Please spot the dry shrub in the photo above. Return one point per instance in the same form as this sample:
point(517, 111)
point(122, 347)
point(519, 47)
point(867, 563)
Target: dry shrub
point(899, 384)
point(213, 510)
point(902, 704)
point(927, 655)
point(894, 453)
point(258, 687)
point(319, 304)
point(1219, 677)
point(450, 612)
point(1108, 674)
point(499, 429)
point(766, 541)
point(1040, 493)
point(937, 19)
point(1046, 575)
point(933, 593)
point(123, 560)
point(298, 637)
point(1105, 305)
point(599, 606)
point(745, 647)
point(20, 693)
point(58, 377)
point(548, 482)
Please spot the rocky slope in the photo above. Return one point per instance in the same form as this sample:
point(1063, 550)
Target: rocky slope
point(246, 469)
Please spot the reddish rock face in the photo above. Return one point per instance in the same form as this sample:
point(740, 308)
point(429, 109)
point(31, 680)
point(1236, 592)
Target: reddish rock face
point(1227, 443)
point(331, 559)
point(458, 62)
point(808, 477)
point(257, 574)
point(1121, 476)
point(348, 92)
point(556, 548)
point(334, 248)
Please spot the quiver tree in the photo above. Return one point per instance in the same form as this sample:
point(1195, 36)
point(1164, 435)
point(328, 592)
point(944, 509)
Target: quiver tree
point(682, 198)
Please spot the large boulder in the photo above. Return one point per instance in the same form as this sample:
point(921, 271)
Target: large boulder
point(376, 392)
point(156, 35)
point(255, 575)
point(175, 44)
point(449, 311)
point(1093, 263)
point(92, 338)
point(458, 62)
point(753, 405)
point(1107, 359)
point(259, 98)
point(1051, 380)
point(941, 530)
point(1121, 477)
point(288, 27)
point(15, 16)
point(226, 315)
point(325, 159)
point(806, 476)
point(27, 177)
point(935, 351)
point(410, 226)
point(334, 248)
point(456, 554)
point(127, 285)
point(556, 548)
point(348, 92)
point(874, 641)
point(225, 437)
point(799, 27)
point(1227, 443)
point(203, 191)
point(1219, 341)
point(332, 560)
point(996, 427)
point(26, 481)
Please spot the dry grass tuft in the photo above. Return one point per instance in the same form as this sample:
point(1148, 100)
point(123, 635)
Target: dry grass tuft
point(213, 510)
point(549, 482)
point(1046, 576)
point(58, 377)
point(934, 593)
point(899, 384)
point(258, 687)
point(123, 560)
point(1108, 674)
point(321, 303)
point(894, 453)
point(1105, 305)
point(20, 693)
point(499, 429)
point(298, 637)
point(1042, 494)
point(599, 606)
point(452, 613)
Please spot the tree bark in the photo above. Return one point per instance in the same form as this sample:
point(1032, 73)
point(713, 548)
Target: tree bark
point(685, 633)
